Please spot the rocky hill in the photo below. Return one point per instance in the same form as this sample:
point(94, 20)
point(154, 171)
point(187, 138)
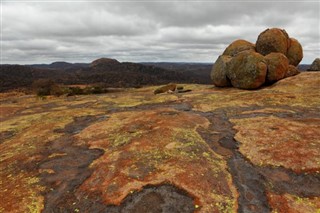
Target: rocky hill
point(208, 150)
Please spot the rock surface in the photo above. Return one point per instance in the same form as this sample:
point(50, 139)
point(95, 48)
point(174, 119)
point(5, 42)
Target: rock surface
point(247, 70)
point(273, 40)
point(238, 46)
point(295, 53)
point(278, 65)
point(209, 150)
point(219, 71)
point(292, 71)
point(315, 66)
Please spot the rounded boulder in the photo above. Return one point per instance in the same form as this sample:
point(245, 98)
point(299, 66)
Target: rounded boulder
point(219, 71)
point(247, 70)
point(272, 40)
point(238, 46)
point(295, 53)
point(292, 71)
point(277, 64)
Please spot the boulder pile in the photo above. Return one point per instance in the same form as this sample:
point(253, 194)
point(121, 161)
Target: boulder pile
point(248, 66)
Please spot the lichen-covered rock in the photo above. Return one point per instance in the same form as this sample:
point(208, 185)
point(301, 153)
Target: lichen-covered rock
point(277, 66)
point(272, 40)
point(247, 70)
point(219, 71)
point(242, 63)
point(238, 46)
point(295, 53)
point(167, 88)
point(315, 66)
point(292, 71)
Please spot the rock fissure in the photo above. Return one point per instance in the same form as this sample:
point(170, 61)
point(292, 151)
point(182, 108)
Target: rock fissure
point(67, 167)
point(254, 181)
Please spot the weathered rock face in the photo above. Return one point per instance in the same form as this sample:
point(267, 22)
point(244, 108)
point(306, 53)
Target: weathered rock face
point(238, 46)
point(272, 40)
point(277, 66)
point(292, 71)
point(210, 150)
point(219, 71)
point(247, 70)
point(315, 66)
point(294, 53)
point(243, 64)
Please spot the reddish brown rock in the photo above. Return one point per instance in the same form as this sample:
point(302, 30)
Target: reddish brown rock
point(277, 66)
point(294, 53)
point(272, 40)
point(292, 71)
point(238, 46)
point(219, 71)
point(247, 70)
point(288, 203)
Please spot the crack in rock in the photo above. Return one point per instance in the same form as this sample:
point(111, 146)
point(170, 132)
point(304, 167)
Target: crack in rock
point(68, 166)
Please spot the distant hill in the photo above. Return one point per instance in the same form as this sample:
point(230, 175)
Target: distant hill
point(60, 65)
point(199, 71)
point(303, 67)
point(110, 73)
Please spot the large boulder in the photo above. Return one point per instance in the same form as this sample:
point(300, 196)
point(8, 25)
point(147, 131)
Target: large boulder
point(247, 70)
point(292, 71)
point(273, 40)
point(295, 53)
point(315, 66)
point(219, 71)
point(238, 46)
point(248, 66)
point(277, 66)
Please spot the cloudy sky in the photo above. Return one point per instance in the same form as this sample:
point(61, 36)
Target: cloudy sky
point(178, 31)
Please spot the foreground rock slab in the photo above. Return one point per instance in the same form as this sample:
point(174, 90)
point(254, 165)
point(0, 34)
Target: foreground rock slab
point(209, 150)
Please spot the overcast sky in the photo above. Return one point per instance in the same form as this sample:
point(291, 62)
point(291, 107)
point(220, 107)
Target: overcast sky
point(177, 31)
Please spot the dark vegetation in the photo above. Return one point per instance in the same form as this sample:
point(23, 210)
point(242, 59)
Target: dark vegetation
point(104, 73)
point(107, 74)
point(44, 87)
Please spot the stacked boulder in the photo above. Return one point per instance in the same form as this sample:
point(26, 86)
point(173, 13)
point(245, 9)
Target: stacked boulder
point(247, 66)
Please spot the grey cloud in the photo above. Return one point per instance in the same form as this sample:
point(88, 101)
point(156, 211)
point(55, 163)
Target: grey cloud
point(147, 31)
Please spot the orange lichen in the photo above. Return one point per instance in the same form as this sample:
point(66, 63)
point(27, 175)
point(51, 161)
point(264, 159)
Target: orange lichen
point(293, 144)
point(154, 147)
point(288, 203)
point(301, 90)
point(20, 187)
point(160, 144)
